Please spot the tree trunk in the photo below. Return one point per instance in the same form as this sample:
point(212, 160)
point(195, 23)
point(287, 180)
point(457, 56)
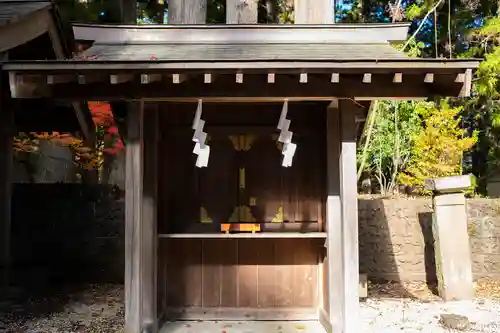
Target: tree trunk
point(314, 11)
point(187, 11)
point(129, 11)
point(242, 12)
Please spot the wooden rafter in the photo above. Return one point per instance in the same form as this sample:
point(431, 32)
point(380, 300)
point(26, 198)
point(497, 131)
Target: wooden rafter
point(81, 110)
point(98, 86)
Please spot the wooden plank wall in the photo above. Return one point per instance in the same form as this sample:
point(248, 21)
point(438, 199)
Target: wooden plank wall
point(231, 273)
point(243, 273)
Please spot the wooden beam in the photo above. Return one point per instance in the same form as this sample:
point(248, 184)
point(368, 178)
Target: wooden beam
point(281, 67)
point(178, 78)
point(303, 78)
point(56, 40)
point(271, 78)
point(241, 314)
point(242, 11)
point(87, 125)
point(58, 79)
point(267, 234)
point(319, 86)
point(120, 111)
point(121, 78)
point(150, 78)
point(81, 109)
point(460, 78)
point(91, 78)
point(467, 84)
point(141, 220)
point(208, 77)
point(239, 78)
point(349, 220)
point(187, 11)
point(82, 79)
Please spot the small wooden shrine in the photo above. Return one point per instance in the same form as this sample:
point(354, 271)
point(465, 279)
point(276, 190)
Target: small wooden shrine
point(241, 196)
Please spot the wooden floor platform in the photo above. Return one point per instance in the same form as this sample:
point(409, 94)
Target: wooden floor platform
point(242, 327)
point(248, 235)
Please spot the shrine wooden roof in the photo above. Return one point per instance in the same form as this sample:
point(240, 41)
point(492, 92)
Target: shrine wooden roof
point(31, 29)
point(12, 11)
point(23, 20)
point(268, 61)
point(180, 52)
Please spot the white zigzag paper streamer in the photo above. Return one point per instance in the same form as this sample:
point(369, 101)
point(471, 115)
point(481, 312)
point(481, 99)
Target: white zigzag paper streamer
point(285, 137)
point(199, 137)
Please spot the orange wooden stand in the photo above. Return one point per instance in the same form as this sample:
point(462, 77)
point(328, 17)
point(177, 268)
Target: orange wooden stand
point(241, 227)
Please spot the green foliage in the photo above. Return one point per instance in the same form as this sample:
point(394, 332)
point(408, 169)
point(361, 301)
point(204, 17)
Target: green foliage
point(414, 11)
point(482, 112)
point(285, 11)
point(488, 74)
point(414, 48)
point(439, 146)
point(484, 43)
point(90, 10)
point(389, 149)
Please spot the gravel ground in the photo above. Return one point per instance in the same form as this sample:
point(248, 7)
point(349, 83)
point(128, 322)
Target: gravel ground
point(84, 309)
point(411, 316)
point(391, 307)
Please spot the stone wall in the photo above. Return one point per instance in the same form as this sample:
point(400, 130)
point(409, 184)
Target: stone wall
point(75, 232)
point(67, 233)
point(396, 241)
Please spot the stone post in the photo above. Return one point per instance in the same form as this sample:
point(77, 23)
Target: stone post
point(451, 239)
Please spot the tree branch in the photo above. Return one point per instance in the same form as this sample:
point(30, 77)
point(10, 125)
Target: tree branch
point(421, 25)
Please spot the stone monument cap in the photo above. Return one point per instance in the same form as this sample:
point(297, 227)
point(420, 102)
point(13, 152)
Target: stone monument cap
point(449, 184)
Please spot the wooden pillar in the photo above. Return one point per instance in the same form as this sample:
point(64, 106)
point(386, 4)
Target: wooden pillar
point(141, 220)
point(6, 160)
point(187, 11)
point(314, 11)
point(339, 312)
point(142, 304)
point(349, 201)
point(242, 12)
point(331, 313)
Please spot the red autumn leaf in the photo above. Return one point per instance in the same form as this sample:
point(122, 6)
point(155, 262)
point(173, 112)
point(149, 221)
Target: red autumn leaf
point(113, 130)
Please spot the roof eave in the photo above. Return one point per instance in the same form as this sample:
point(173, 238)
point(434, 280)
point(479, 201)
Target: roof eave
point(258, 33)
point(375, 64)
